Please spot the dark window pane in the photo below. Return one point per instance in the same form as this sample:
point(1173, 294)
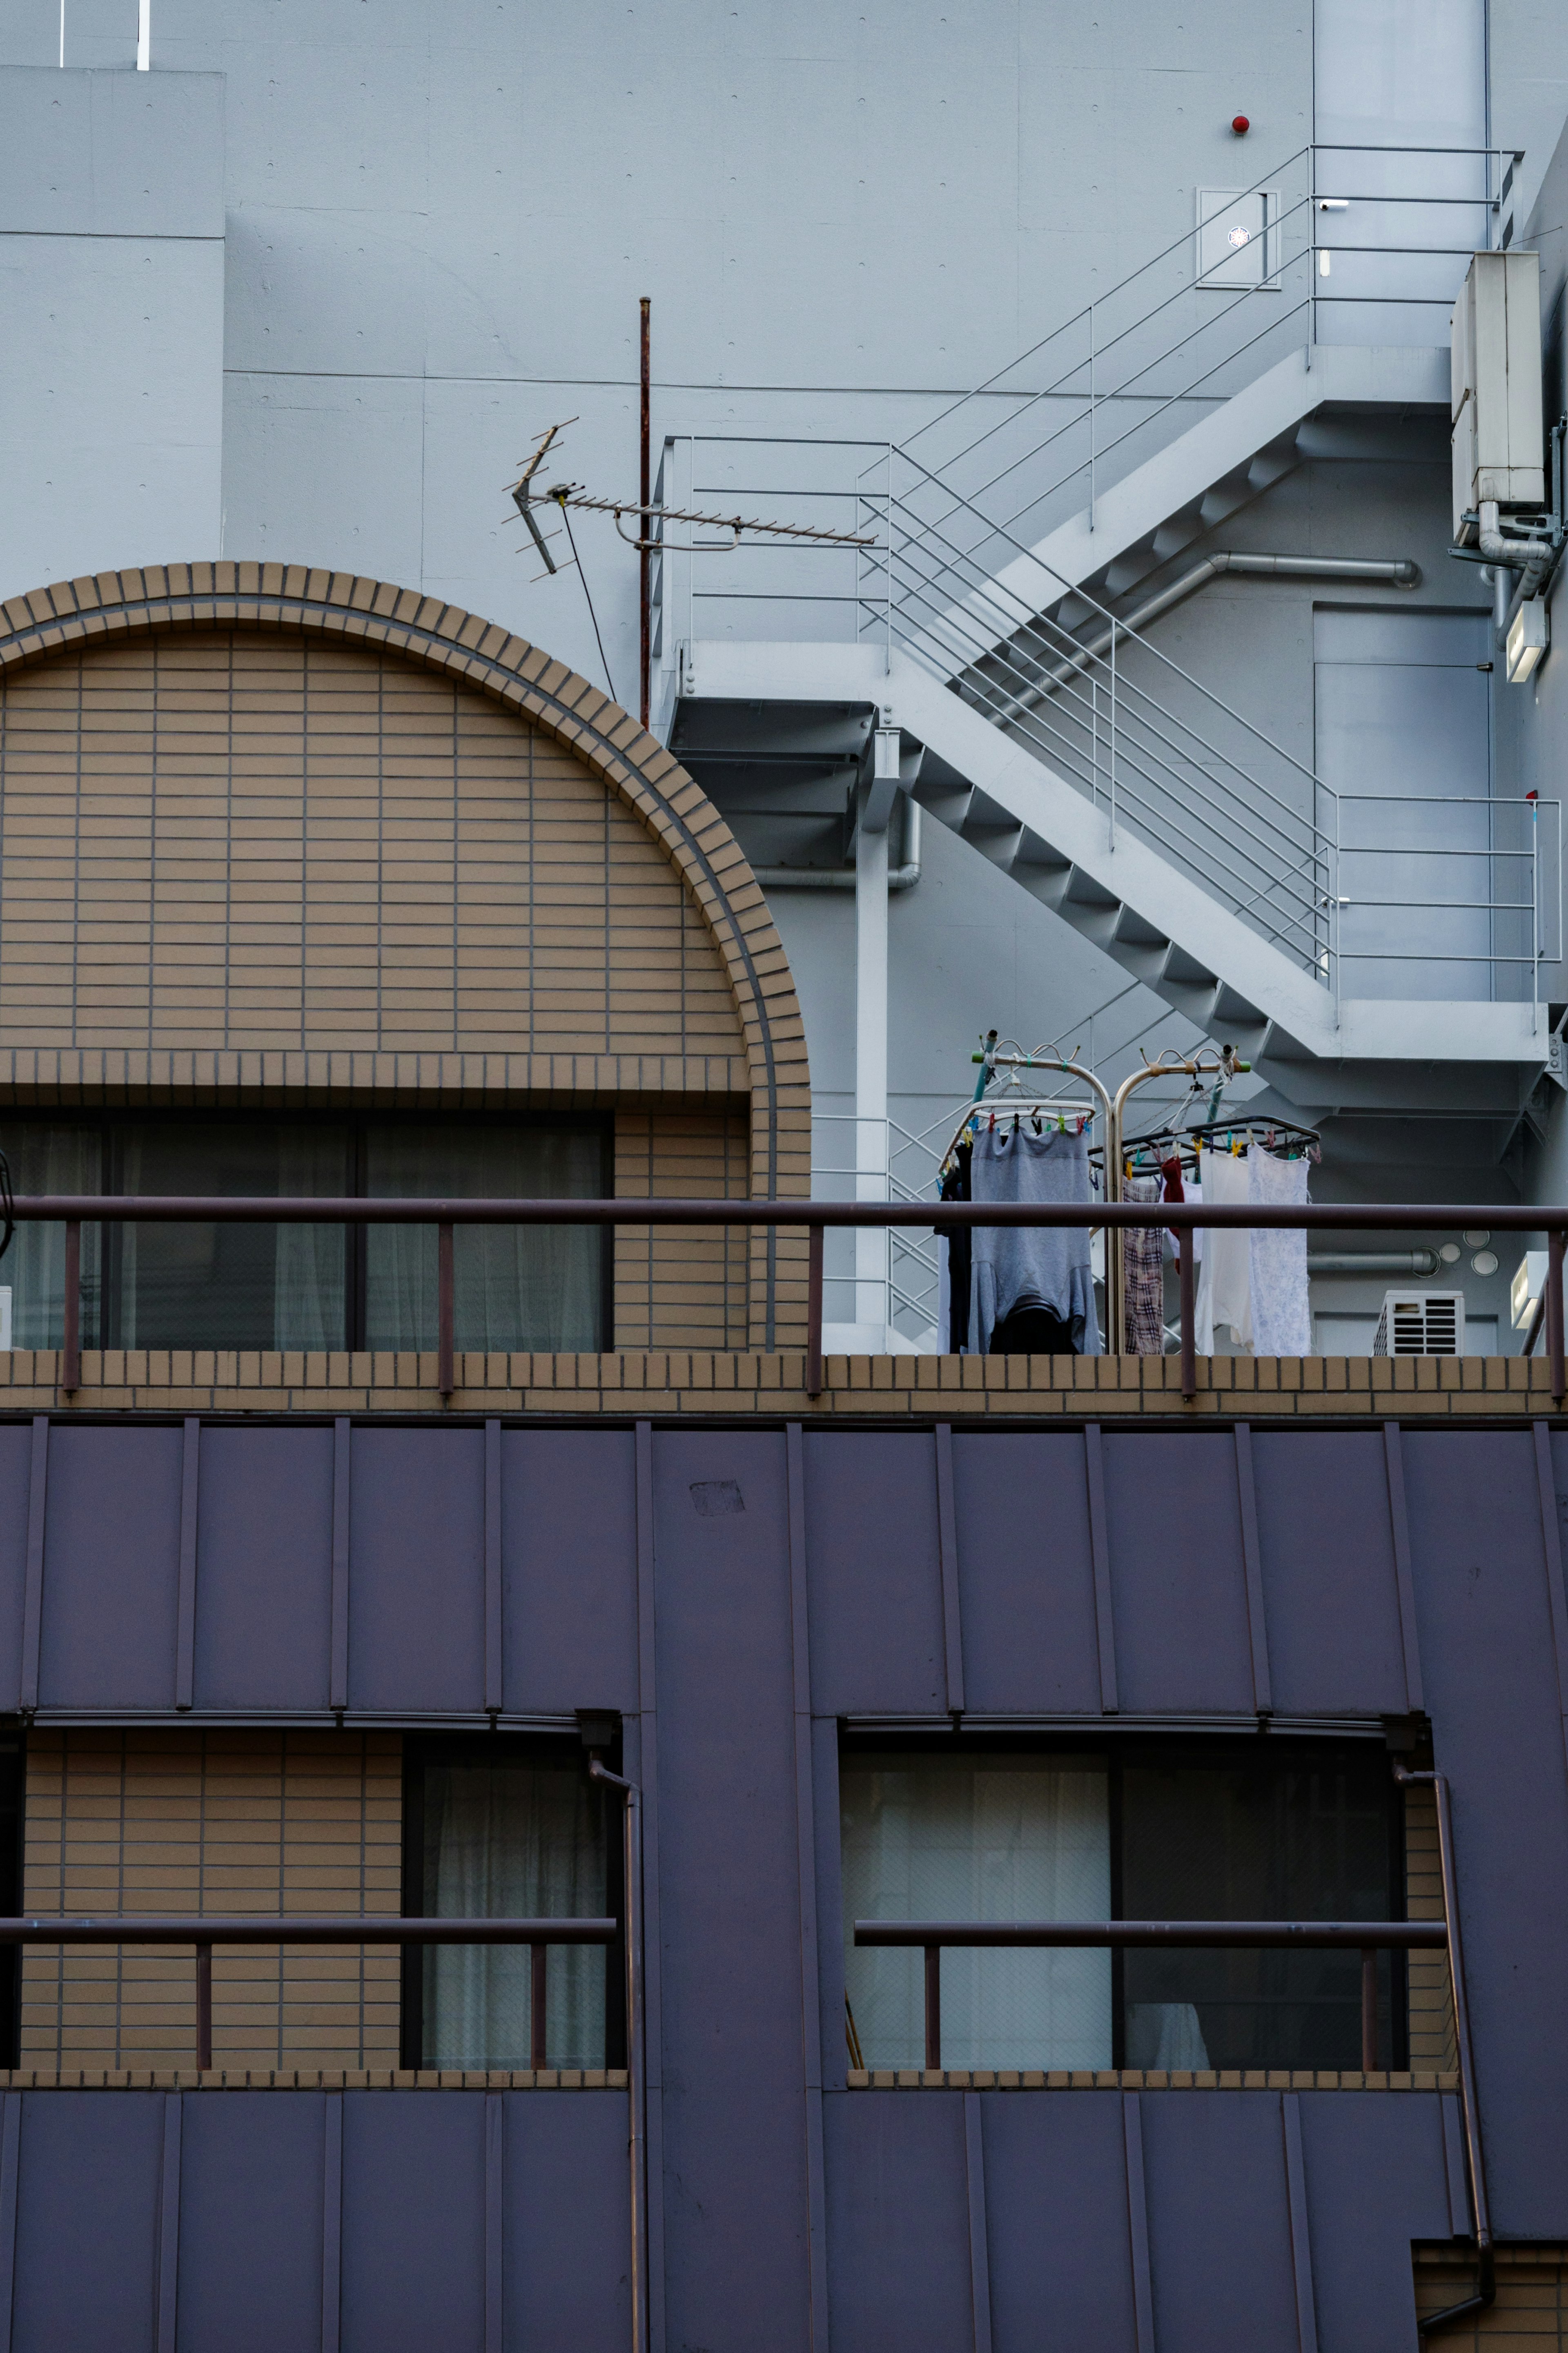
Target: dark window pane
point(49, 1159)
point(1304, 1837)
point(526, 1838)
point(516, 1286)
point(207, 1285)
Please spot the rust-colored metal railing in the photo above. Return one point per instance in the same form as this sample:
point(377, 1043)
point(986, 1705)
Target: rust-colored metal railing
point(205, 1929)
point(75, 1210)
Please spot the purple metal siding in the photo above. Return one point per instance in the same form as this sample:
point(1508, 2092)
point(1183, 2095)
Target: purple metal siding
point(1026, 1579)
point(88, 2205)
point(876, 1574)
point(569, 1569)
point(568, 2223)
point(417, 1627)
point(16, 1477)
point(1219, 2232)
point(1061, 2252)
point(264, 1544)
point(897, 2224)
point(414, 2222)
point(1177, 1575)
point(737, 2268)
point(1329, 1597)
point(111, 1566)
point(250, 2222)
point(1487, 1652)
point(1376, 2179)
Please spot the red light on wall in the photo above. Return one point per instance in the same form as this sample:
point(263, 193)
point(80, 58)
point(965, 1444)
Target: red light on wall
point(1240, 125)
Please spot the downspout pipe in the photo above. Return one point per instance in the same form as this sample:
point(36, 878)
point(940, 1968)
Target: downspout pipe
point(1398, 572)
point(1486, 2269)
point(637, 2088)
point(842, 877)
point(1532, 559)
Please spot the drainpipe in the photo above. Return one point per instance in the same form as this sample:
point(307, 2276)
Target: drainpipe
point(1390, 573)
point(1486, 2269)
point(636, 2089)
point(1413, 1261)
point(1532, 559)
point(842, 877)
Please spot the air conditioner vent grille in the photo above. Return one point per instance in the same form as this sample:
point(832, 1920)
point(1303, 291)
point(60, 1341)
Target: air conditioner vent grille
point(1421, 1324)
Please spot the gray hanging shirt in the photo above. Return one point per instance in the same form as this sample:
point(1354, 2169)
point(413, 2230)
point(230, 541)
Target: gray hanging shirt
point(1040, 1266)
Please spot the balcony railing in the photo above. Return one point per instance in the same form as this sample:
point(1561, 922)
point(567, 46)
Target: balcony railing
point(76, 1209)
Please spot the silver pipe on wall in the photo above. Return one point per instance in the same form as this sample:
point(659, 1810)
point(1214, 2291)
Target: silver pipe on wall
point(842, 877)
point(1412, 1261)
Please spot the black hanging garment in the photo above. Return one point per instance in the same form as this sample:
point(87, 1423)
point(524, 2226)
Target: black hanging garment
point(956, 1187)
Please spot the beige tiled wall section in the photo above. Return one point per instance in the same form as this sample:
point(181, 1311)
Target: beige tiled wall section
point(1432, 2036)
point(212, 1821)
point(1531, 2307)
point(256, 840)
point(681, 1287)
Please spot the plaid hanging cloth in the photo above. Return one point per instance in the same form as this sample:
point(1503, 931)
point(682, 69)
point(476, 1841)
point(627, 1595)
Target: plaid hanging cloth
point(1143, 1275)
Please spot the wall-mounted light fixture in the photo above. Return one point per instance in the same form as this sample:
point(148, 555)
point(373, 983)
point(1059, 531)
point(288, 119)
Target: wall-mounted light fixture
point(1527, 638)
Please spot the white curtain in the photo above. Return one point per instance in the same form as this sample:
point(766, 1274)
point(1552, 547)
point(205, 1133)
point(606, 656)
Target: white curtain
point(515, 1286)
point(307, 1301)
point(1013, 1838)
point(48, 1159)
point(527, 1841)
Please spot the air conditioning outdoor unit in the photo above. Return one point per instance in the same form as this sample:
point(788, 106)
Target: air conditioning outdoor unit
point(1421, 1324)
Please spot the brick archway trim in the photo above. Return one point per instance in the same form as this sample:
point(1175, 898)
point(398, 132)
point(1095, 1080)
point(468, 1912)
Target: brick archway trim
point(71, 616)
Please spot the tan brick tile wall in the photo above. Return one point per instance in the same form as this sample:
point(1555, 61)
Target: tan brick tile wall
point(681, 1287)
point(212, 1821)
point(1431, 2030)
point(1532, 2306)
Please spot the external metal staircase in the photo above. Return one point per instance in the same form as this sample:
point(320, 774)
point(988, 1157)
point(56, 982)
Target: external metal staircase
point(987, 619)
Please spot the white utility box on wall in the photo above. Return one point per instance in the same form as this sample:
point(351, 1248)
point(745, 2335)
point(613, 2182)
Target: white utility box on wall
point(1497, 439)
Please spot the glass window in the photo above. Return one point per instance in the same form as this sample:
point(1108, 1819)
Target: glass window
point(515, 1286)
point(49, 1159)
point(1268, 1830)
point(498, 1828)
point(978, 1838)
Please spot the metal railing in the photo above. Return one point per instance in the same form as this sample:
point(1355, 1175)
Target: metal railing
point(205, 1929)
point(814, 1218)
point(1368, 1937)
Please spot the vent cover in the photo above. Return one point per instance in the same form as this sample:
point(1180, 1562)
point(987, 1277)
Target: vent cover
point(1421, 1324)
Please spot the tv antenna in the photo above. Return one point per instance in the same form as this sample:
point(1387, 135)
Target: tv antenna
point(528, 497)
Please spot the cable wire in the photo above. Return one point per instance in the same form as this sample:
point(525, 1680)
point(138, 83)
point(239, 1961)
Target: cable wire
point(587, 592)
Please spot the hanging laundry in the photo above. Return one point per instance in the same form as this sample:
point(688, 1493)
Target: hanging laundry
point(1143, 1274)
point(1225, 1278)
point(1281, 1322)
point(952, 1261)
point(1043, 1268)
point(1176, 1191)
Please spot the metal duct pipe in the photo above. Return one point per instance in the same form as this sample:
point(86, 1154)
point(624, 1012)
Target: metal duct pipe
point(842, 877)
point(1413, 1261)
point(1533, 560)
point(1391, 572)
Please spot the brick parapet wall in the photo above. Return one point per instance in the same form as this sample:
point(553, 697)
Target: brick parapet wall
point(684, 1381)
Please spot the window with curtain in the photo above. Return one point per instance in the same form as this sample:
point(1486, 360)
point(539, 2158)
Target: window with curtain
point(496, 1828)
point(1250, 1829)
point(210, 1284)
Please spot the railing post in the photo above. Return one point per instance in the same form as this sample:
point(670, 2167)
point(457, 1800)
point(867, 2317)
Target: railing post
point(443, 1377)
point(1189, 1316)
point(538, 1955)
point(813, 1310)
point(1368, 2007)
point(71, 1370)
point(1554, 1312)
point(204, 2007)
point(933, 2005)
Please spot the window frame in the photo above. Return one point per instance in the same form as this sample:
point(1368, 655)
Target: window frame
point(1122, 1746)
point(355, 1121)
point(421, 1750)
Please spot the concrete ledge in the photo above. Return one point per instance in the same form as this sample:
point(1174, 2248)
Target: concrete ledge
point(1145, 2079)
point(313, 2079)
point(735, 1381)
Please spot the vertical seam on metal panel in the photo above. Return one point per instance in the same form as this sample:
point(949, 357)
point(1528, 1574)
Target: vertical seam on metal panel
point(1252, 1563)
point(332, 2221)
point(33, 1600)
point(169, 2228)
point(979, 2247)
point(947, 1554)
point(1552, 1549)
point(1100, 1550)
point(1138, 2223)
point(495, 1683)
point(806, 1857)
point(185, 1640)
point(653, 2044)
point(10, 2171)
point(338, 1693)
point(1399, 1525)
point(1301, 2235)
point(495, 2221)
